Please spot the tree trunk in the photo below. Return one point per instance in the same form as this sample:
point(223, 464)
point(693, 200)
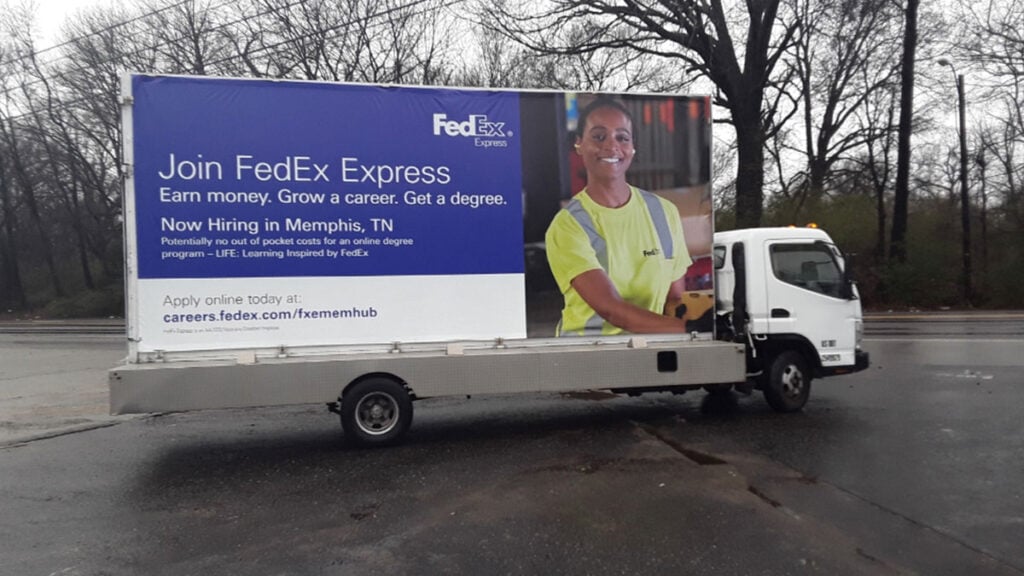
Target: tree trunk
point(69, 194)
point(816, 172)
point(749, 175)
point(878, 182)
point(29, 194)
point(898, 244)
point(15, 292)
point(984, 226)
point(80, 235)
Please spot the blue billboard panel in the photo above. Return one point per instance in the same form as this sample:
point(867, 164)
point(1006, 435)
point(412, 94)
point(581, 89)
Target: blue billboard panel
point(251, 178)
point(265, 213)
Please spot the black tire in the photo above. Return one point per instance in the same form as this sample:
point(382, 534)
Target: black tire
point(718, 389)
point(788, 383)
point(376, 412)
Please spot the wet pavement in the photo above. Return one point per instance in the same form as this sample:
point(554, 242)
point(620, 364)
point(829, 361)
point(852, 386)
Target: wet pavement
point(55, 382)
point(580, 490)
point(911, 467)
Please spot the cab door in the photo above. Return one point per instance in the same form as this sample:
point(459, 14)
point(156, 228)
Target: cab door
point(808, 296)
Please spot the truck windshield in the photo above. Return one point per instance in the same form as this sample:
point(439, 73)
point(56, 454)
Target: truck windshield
point(811, 266)
point(838, 255)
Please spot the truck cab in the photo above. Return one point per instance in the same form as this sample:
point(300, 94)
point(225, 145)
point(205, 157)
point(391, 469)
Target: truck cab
point(787, 293)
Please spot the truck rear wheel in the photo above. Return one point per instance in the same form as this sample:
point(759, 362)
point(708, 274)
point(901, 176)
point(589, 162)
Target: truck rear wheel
point(787, 385)
point(376, 412)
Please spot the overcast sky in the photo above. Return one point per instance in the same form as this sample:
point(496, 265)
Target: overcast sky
point(50, 14)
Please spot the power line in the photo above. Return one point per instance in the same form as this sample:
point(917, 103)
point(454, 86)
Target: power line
point(449, 4)
point(36, 53)
point(242, 18)
point(157, 46)
point(69, 103)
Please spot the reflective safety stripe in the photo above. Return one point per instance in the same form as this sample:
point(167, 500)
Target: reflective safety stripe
point(593, 327)
point(654, 209)
point(583, 218)
point(595, 323)
point(657, 212)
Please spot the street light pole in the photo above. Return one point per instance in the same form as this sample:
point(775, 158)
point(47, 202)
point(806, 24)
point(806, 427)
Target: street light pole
point(965, 210)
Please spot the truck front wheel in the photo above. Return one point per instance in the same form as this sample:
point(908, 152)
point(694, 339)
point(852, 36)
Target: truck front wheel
point(376, 412)
point(788, 382)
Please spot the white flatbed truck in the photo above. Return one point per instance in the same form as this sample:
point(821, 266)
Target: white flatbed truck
point(214, 323)
point(778, 332)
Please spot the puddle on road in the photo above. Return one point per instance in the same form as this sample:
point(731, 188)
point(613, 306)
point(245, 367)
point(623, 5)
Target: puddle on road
point(966, 374)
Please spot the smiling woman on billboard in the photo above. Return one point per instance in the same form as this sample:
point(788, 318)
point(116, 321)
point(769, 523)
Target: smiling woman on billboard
point(617, 252)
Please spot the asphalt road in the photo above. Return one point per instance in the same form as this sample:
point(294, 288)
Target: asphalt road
point(54, 382)
point(911, 467)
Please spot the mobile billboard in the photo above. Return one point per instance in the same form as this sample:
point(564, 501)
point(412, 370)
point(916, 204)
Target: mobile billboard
point(264, 213)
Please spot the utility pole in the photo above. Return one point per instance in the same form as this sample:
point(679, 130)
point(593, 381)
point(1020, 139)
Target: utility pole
point(965, 206)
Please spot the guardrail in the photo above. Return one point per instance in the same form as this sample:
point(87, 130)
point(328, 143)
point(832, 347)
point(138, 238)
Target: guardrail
point(112, 326)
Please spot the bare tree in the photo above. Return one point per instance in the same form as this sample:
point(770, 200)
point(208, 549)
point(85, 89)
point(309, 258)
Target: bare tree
point(85, 123)
point(898, 242)
point(12, 292)
point(698, 35)
point(1002, 142)
point(186, 35)
point(875, 119)
point(24, 158)
point(846, 52)
point(501, 62)
point(389, 41)
point(993, 42)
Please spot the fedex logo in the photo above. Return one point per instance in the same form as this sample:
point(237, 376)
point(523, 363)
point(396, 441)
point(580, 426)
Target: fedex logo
point(476, 125)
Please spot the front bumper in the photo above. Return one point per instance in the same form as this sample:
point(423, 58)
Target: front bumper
point(861, 360)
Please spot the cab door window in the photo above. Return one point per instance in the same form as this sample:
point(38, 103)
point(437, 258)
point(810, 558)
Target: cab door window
point(810, 266)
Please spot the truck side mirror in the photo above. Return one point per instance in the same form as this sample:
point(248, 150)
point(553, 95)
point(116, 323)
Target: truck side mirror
point(846, 291)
